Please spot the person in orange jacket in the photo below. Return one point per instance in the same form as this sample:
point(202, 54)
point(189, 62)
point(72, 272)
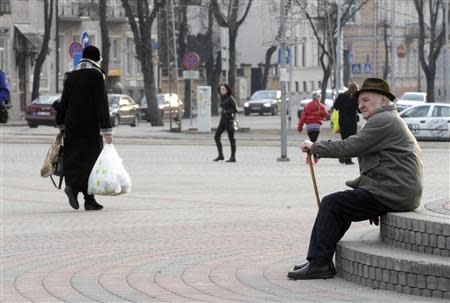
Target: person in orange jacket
point(312, 115)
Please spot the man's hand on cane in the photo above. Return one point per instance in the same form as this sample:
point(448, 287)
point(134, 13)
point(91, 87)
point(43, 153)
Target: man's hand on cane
point(108, 138)
point(306, 146)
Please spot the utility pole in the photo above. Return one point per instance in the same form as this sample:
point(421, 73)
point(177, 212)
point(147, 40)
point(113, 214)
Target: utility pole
point(393, 48)
point(57, 67)
point(291, 51)
point(446, 79)
point(338, 48)
point(283, 79)
point(175, 60)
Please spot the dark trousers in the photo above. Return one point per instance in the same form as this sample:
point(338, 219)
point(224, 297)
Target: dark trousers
point(313, 135)
point(337, 211)
point(225, 124)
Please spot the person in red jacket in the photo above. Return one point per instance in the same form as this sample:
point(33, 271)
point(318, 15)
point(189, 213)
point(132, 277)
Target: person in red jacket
point(312, 115)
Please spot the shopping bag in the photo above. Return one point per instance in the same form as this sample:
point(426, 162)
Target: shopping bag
point(52, 161)
point(334, 124)
point(108, 176)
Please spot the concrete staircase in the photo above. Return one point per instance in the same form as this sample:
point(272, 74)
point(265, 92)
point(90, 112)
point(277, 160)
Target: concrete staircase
point(409, 254)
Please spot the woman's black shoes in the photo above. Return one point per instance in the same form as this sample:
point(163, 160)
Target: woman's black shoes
point(91, 204)
point(72, 197)
point(219, 157)
point(232, 159)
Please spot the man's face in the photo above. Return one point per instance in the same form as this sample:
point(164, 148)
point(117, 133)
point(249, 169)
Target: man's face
point(369, 103)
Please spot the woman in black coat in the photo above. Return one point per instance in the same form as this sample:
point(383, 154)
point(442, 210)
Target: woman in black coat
point(228, 109)
point(83, 116)
point(347, 106)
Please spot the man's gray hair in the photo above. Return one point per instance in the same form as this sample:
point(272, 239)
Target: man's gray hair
point(316, 95)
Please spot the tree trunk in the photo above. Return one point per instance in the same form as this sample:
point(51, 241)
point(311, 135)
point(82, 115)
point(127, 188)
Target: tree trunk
point(430, 86)
point(232, 62)
point(105, 41)
point(269, 54)
point(325, 78)
point(48, 16)
point(150, 91)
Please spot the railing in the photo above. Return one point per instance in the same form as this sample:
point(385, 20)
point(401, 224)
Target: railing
point(89, 8)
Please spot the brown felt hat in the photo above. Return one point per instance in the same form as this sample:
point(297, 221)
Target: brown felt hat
point(376, 85)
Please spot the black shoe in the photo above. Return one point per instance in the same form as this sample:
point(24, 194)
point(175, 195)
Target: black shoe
point(349, 162)
point(72, 197)
point(313, 270)
point(219, 157)
point(297, 267)
point(232, 159)
point(342, 161)
point(91, 204)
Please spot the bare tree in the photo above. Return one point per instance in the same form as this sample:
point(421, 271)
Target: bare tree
point(105, 39)
point(325, 31)
point(142, 39)
point(48, 17)
point(435, 34)
point(233, 23)
point(269, 53)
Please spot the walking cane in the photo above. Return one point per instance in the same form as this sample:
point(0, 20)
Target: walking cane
point(313, 176)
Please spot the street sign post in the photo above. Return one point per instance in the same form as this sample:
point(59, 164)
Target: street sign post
point(75, 51)
point(190, 62)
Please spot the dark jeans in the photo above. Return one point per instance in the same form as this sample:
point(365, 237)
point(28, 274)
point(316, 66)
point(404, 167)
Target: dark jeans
point(225, 124)
point(313, 135)
point(337, 211)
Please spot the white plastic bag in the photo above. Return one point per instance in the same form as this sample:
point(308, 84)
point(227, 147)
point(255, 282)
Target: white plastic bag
point(108, 176)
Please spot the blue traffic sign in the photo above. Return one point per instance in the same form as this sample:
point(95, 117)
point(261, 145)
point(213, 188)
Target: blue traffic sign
point(356, 68)
point(74, 48)
point(288, 55)
point(368, 68)
point(84, 39)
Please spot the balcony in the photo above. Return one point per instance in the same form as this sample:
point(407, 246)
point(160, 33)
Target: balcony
point(77, 10)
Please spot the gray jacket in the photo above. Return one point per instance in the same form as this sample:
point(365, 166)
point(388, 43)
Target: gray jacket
point(390, 160)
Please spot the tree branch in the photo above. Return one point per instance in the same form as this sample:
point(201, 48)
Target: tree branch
point(249, 3)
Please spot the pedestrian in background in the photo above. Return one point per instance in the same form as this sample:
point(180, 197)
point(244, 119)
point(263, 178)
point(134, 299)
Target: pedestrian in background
point(4, 97)
point(347, 105)
point(390, 177)
point(312, 115)
point(228, 109)
point(83, 116)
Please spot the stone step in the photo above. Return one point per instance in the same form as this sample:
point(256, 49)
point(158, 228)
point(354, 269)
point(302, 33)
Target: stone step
point(422, 231)
point(362, 258)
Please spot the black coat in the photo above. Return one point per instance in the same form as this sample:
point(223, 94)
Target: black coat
point(228, 107)
point(347, 107)
point(83, 112)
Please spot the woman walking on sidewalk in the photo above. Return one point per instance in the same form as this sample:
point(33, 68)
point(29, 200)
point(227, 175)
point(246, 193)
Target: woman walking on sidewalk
point(347, 106)
point(312, 116)
point(228, 109)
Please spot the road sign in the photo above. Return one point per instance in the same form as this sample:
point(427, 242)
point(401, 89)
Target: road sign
point(368, 68)
point(75, 47)
point(84, 39)
point(356, 68)
point(191, 60)
point(191, 74)
point(288, 55)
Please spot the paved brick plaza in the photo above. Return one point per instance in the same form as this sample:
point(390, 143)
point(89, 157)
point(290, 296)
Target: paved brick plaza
point(190, 231)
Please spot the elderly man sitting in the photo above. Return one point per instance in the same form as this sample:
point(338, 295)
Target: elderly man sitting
point(390, 177)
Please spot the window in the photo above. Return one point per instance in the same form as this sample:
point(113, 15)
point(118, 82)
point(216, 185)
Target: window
point(129, 57)
point(305, 86)
point(351, 11)
point(312, 85)
point(304, 52)
point(297, 86)
point(116, 50)
point(416, 112)
point(4, 55)
point(5, 7)
point(441, 111)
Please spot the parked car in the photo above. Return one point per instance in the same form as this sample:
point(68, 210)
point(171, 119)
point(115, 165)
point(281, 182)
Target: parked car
point(41, 111)
point(409, 99)
point(429, 121)
point(329, 101)
point(263, 101)
point(123, 110)
point(165, 103)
